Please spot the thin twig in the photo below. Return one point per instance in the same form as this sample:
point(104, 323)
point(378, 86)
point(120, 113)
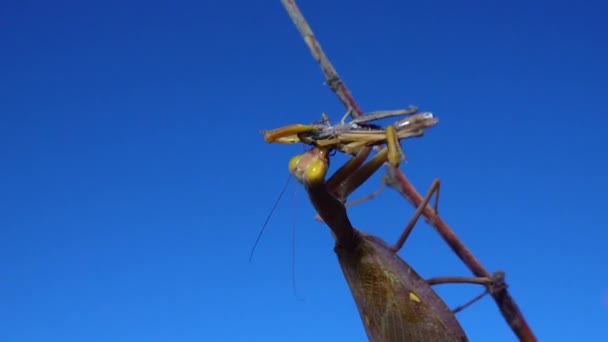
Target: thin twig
point(505, 302)
point(331, 76)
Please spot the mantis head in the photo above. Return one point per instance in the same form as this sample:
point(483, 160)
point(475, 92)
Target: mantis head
point(310, 167)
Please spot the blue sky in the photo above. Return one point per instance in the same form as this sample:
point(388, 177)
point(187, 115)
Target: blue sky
point(134, 179)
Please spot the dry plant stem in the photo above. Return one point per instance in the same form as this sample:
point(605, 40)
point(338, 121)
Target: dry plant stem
point(334, 82)
point(505, 302)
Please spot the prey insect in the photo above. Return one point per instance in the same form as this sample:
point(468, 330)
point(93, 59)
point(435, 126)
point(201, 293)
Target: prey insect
point(350, 137)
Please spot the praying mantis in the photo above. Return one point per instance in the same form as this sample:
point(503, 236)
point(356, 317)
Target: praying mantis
point(394, 302)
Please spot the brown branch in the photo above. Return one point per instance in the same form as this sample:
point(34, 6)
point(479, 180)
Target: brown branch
point(331, 76)
point(505, 302)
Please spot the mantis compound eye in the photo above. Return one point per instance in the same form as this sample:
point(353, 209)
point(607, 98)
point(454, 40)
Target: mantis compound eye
point(315, 171)
point(293, 164)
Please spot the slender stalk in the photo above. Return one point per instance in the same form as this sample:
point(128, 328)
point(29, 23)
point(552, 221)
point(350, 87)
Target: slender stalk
point(505, 302)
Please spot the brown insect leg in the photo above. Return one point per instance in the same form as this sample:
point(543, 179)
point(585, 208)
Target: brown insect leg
point(493, 284)
point(335, 181)
point(410, 226)
point(350, 176)
point(461, 280)
point(359, 176)
point(359, 200)
point(471, 302)
point(366, 198)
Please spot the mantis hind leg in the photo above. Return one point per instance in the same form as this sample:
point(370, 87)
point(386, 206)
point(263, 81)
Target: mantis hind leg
point(354, 173)
point(492, 284)
point(434, 189)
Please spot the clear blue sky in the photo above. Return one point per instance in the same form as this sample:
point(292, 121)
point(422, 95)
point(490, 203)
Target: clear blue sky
point(134, 180)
